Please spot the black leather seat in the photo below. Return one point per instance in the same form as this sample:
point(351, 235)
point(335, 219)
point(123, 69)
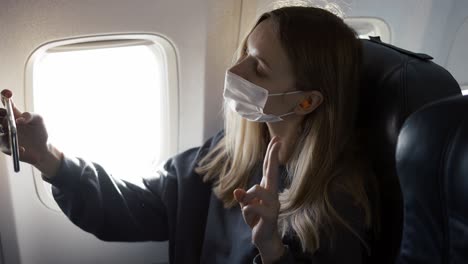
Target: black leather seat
point(432, 164)
point(395, 84)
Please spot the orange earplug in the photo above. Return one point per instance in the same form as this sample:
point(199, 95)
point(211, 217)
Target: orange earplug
point(305, 104)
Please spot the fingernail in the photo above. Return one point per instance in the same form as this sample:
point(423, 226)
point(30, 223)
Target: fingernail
point(7, 93)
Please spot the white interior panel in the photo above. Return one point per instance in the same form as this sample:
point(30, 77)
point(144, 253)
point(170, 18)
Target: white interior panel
point(458, 56)
point(452, 36)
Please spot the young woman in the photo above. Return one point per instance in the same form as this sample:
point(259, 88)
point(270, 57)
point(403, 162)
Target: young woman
point(283, 183)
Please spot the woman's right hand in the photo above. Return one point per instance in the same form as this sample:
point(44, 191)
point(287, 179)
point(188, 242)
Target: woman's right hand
point(32, 139)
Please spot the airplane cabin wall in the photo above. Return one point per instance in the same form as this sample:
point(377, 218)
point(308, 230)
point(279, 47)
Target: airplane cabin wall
point(204, 34)
point(455, 48)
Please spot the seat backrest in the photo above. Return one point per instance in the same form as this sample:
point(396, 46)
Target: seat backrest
point(395, 83)
point(432, 165)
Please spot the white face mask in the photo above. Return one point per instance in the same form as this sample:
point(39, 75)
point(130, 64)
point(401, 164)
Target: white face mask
point(248, 99)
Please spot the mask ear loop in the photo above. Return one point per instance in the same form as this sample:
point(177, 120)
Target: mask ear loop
point(287, 114)
point(304, 105)
point(286, 93)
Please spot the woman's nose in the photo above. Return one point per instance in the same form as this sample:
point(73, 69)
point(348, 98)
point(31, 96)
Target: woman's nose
point(236, 69)
point(240, 70)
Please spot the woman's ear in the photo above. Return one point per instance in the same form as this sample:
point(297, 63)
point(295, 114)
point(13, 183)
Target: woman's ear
point(309, 103)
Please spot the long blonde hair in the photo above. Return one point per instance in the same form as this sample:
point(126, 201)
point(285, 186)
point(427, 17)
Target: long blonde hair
point(326, 55)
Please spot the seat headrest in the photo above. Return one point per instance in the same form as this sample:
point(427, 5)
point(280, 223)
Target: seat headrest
point(432, 165)
point(395, 83)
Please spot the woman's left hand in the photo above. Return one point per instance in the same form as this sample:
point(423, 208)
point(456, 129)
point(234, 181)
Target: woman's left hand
point(260, 207)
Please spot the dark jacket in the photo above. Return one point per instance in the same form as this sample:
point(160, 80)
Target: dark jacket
point(173, 205)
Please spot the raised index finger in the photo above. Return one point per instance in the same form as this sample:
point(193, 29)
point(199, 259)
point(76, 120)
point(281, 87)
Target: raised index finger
point(266, 161)
point(272, 171)
point(267, 153)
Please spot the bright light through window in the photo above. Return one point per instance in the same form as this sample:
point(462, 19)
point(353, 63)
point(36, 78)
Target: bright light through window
point(103, 105)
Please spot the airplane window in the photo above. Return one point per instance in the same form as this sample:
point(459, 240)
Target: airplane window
point(370, 26)
point(108, 105)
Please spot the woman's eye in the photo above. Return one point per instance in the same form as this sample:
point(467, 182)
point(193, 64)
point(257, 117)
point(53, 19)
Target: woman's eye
point(259, 71)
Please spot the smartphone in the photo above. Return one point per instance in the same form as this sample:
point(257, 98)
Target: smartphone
point(12, 132)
